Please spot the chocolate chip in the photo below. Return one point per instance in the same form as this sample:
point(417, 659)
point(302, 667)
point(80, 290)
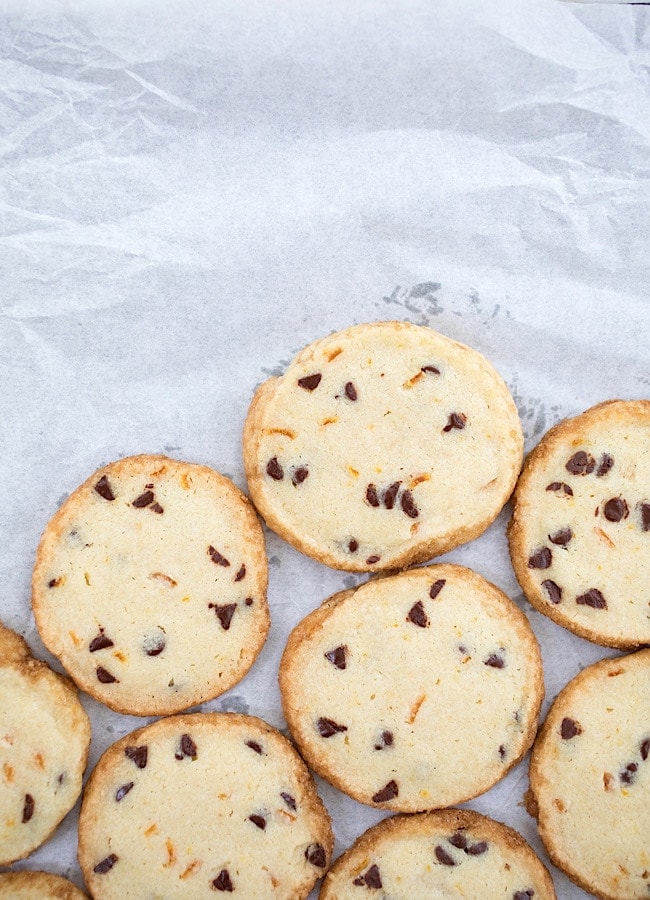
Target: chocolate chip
point(105, 677)
point(436, 587)
point(373, 559)
point(645, 748)
point(241, 574)
point(289, 800)
point(417, 615)
point(299, 475)
point(315, 854)
point(101, 642)
point(328, 727)
point(645, 516)
point(560, 486)
point(337, 656)
point(570, 728)
point(502, 751)
point(606, 463)
point(248, 601)
point(143, 500)
point(458, 840)
point(260, 821)
point(553, 590)
point(104, 489)
point(561, 537)
point(105, 865)
point(55, 582)
point(390, 494)
point(353, 545)
point(628, 775)
point(157, 508)
point(581, 463)
point(138, 755)
point(385, 740)
point(274, 469)
point(224, 613)
point(154, 645)
point(431, 369)
point(494, 661)
point(540, 559)
point(371, 878)
point(388, 792)
point(371, 495)
point(443, 857)
point(28, 808)
point(310, 382)
point(122, 791)
point(592, 598)
point(223, 882)
point(217, 558)
point(408, 505)
point(523, 895)
point(350, 391)
point(477, 849)
point(254, 746)
point(456, 420)
point(187, 748)
point(615, 509)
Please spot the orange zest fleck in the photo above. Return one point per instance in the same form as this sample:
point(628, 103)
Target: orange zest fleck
point(283, 812)
point(186, 481)
point(413, 380)
point(120, 655)
point(334, 353)
point(38, 759)
point(87, 578)
point(558, 804)
point(608, 778)
point(160, 576)
point(601, 534)
point(193, 866)
point(171, 855)
point(415, 709)
point(152, 829)
point(615, 672)
point(353, 472)
point(329, 421)
point(419, 479)
point(76, 640)
point(287, 432)
point(8, 772)
point(274, 880)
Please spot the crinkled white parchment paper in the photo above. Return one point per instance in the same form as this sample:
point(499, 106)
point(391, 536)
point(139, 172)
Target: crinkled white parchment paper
point(191, 191)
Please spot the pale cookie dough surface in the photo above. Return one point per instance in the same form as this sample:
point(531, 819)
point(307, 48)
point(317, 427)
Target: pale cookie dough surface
point(150, 585)
point(44, 741)
point(37, 886)
point(382, 445)
point(203, 803)
point(580, 531)
point(416, 691)
point(448, 853)
point(590, 778)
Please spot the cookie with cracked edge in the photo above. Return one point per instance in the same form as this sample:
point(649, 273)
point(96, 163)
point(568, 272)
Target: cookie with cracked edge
point(27, 885)
point(449, 852)
point(414, 691)
point(150, 585)
point(590, 778)
point(580, 529)
point(382, 445)
point(44, 741)
point(199, 804)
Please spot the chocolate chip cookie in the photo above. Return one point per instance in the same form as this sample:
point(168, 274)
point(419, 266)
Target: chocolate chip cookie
point(37, 886)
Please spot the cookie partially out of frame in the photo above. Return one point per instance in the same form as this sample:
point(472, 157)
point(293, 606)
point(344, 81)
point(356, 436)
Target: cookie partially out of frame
point(580, 530)
point(445, 853)
point(415, 691)
point(28, 885)
point(200, 804)
point(150, 585)
point(44, 741)
point(590, 778)
point(382, 445)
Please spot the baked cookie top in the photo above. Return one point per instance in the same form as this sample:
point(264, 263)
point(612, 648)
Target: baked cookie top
point(415, 691)
point(150, 585)
point(580, 529)
point(44, 741)
point(446, 853)
point(382, 445)
point(28, 885)
point(203, 803)
point(590, 778)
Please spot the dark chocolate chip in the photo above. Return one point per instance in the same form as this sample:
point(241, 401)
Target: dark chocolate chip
point(223, 882)
point(371, 879)
point(143, 500)
point(645, 748)
point(390, 494)
point(328, 727)
point(388, 792)
point(592, 598)
point(122, 791)
point(104, 489)
point(502, 751)
point(337, 656)
point(217, 557)
point(353, 545)
point(645, 516)
point(187, 748)
point(241, 574)
point(315, 854)
point(138, 755)
point(371, 495)
point(553, 590)
point(248, 601)
point(417, 615)
point(494, 661)
point(373, 559)
point(274, 469)
point(260, 821)
point(569, 728)
point(458, 840)
point(105, 865)
point(560, 486)
point(523, 895)
point(477, 849)
point(224, 613)
point(408, 505)
point(615, 509)
point(54, 582)
point(299, 475)
point(28, 808)
point(157, 508)
point(106, 677)
point(154, 645)
point(350, 391)
point(385, 740)
point(443, 857)
point(581, 463)
point(606, 463)
point(456, 420)
point(436, 587)
point(628, 775)
point(310, 382)
point(540, 559)
point(101, 642)
point(289, 800)
point(561, 537)
point(431, 369)
point(254, 746)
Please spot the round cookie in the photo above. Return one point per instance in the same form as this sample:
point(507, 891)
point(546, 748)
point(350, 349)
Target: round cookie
point(44, 741)
point(150, 585)
point(28, 885)
point(382, 445)
point(415, 691)
point(580, 529)
point(203, 803)
point(590, 778)
point(445, 853)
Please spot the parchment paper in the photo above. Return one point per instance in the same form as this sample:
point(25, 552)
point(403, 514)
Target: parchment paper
point(192, 191)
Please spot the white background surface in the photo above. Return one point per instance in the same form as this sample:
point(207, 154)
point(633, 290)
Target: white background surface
point(192, 191)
